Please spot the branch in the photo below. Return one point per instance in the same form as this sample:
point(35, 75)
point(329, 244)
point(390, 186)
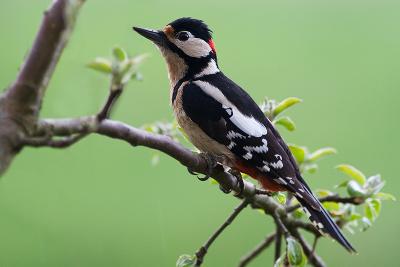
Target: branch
point(257, 250)
point(313, 258)
point(200, 254)
point(20, 103)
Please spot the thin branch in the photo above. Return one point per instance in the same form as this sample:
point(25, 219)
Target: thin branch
point(332, 198)
point(257, 250)
point(62, 142)
point(278, 242)
point(200, 254)
point(111, 100)
point(313, 258)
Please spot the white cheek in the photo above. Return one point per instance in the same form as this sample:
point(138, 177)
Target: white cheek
point(194, 47)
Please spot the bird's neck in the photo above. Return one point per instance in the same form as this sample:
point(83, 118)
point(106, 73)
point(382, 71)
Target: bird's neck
point(188, 68)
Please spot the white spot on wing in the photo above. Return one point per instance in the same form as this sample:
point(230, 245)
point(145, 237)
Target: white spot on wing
point(232, 134)
point(231, 145)
point(248, 156)
point(282, 181)
point(258, 149)
point(278, 164)
point(247, 124)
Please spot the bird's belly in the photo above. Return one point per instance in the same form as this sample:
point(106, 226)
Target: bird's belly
point(201, 140)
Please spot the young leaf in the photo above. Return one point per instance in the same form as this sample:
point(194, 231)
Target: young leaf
point(320, 153)
point(101, 64)
point(295, 252)
point(342, 184)
point(365, 223)
point(186, 261)
point(280, 262)
point(385, 196)
point(374, 184)
point(298, 152)
point(286, 122)
point(352, 172)
point(311, 168)
point(355, 190)
point(285, 104)
point(280, 197)
point(119, 54)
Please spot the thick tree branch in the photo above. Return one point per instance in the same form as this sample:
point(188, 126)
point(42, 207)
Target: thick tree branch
point(20, 103)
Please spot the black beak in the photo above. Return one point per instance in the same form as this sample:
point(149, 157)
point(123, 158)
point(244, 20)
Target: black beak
point(155, 36)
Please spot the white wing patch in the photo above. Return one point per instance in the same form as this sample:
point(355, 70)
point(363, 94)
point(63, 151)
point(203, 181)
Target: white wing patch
point(231, 135)
point(258, 149)
point(248, 125)
point(278, 164)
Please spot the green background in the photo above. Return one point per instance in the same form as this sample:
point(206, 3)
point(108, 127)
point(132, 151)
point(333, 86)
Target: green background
point(102, 203)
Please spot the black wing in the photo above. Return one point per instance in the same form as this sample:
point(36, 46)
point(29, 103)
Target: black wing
point(227, 114)
point(224, 111)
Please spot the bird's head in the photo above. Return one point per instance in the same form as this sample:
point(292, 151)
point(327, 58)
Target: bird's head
point(186, 45)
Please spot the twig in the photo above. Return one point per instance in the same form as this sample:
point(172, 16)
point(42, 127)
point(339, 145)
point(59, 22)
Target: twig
point(200, 254)
point(111, 100)
point(278, 243)
point(332, 198)
point(257, 250)
point(62, 142)
point(313, 258)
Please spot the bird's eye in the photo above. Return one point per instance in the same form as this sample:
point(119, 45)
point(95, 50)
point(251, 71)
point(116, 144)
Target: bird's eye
point(182, 36)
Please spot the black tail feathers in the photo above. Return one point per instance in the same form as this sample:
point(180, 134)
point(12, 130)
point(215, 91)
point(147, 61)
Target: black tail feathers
point(325, 224)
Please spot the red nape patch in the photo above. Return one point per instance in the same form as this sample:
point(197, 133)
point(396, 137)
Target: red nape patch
point(212, 45)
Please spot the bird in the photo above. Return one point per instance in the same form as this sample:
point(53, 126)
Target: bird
point(221, 119)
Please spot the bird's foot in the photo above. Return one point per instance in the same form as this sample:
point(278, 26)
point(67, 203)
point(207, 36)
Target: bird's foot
point(211, 164)
point(239, 180)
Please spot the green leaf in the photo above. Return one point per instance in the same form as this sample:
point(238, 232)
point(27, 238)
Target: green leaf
point(295, 252)
point(365, 223)
point(342, 184)
point(186, 261)
point(298, 152)
point(280, 197)
point(331, 206)
point(372, 209)
point(119, 54)
point(385, 196)
point(298, 213)
point(285, 104)
point(286, 122)
point(280, 262)
point(323, 192)
point(355, 190)
point(311, 168)
point(352, 172)
point(320, 153)
point(101, 64)
point(374, 184)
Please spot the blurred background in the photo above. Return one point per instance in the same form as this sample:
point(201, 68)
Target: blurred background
point(102, 203)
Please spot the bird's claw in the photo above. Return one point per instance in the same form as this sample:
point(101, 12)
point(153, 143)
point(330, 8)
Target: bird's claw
point(239, 180)
point(211, 163)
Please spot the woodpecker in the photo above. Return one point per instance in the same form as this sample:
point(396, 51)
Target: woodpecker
point(221, 119)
